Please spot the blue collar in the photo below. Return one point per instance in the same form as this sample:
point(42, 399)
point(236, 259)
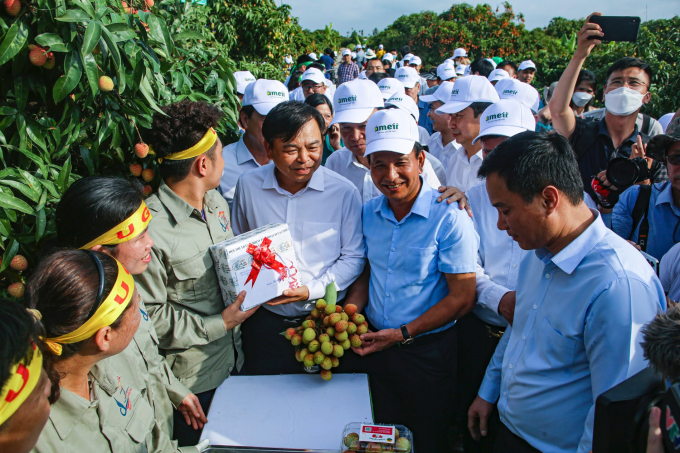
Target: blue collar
point(602, 130)
point(571, 256)
point(243, 154)
point(665, 195)
point(315, 183)
point(421, 206)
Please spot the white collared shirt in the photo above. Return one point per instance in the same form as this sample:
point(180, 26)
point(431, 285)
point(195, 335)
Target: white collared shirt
point(461, 172)
point(237, 159)
point(346, 164)
point(324, 220)
point(436, 147)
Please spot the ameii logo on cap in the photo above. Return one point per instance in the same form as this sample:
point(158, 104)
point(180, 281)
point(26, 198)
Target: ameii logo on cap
point(454, 92)
point(387, 127)
point(276, 94)
point(347, 100)
point(496, 117)
point(510, 92)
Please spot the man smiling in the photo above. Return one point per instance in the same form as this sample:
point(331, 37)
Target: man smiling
point(323, 212)
point(419, 279)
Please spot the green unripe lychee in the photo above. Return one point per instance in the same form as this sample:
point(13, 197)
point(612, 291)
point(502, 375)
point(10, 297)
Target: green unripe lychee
point(334, 318)
point(308, 335)
point(335, 361)
point(362, 329)
point(402, 445)
point(341, 326)
point(341, 336)
point(309, 324)
point(315, 313)
point(350, 438)
point(323, 338)
point(309, 360)
point(327, 348)
point(319, 357)
point(346, 344)
point(314, 346)
point(296, 340)
point(355, 341)
point(338, 351)
point(351, 328)
point(326, 375)
point(358, 319)
point(330, 331)
point(321, 304)
point(329, 309)
point(344, 316)
point(327, 364)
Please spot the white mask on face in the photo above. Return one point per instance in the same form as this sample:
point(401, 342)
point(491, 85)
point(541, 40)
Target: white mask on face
point(580, 98)
point(623, 101)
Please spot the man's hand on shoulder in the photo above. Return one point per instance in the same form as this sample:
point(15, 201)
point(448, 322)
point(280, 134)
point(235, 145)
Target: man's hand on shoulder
point(451, 194)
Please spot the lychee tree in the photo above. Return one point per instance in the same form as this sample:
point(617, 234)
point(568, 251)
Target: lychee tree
point(78, 80)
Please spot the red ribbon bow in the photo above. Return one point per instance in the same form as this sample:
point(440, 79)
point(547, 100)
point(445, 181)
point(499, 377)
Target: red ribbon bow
point(262, 256)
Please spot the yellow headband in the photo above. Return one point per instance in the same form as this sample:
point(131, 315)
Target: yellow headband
point(106, 314)
point(199, 148)
point(128, 229)
point(22, 380)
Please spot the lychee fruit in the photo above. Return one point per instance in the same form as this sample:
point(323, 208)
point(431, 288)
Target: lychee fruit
point(351, 437)
point(326, 321)
point(324, 338)
point(303, 353)
point(319, 357)
point(358, 319)
point(338, 309)
point(338, 351)
point(147, 190)
point(126, 7)
point(344, 316)
point(309, 360)
point(351, 328)
point(350, 309)
point(330, 331)
point(297, 356)
point(296, 340)
point(402, 445)
point(327, 364)
point(326, 375)
point(341, 326)
point(373, 447)
point(16, 290)
point(355, 341)
point(105, 84)
point(147, 175)
point(136, 170)
point(334, 319)
point(335, 362)
point(18, 263)
point(309, 324)
point(141, 150)
point(149, 3)
point(327, 348)
point(321, 304)
point(362, 329)
point(315, 314)
point(341, 336)
point(289, 333)
point(38, 56)
point(314, 346)
point(308, 335)
point(51, 61)
point(329, 309)
point(346, 344)
point(12, 7)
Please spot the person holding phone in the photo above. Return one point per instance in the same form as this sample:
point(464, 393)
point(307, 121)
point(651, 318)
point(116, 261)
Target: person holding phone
point(626, 91)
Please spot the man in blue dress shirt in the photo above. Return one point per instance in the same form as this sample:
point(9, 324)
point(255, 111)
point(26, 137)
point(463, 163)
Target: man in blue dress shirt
point(419, 279)
point(582, 296)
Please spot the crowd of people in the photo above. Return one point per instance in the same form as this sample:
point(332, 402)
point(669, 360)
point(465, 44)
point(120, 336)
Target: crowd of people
point(477, 224)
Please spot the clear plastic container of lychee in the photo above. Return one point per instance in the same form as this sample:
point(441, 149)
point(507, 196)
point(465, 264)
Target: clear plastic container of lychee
point(350, 440)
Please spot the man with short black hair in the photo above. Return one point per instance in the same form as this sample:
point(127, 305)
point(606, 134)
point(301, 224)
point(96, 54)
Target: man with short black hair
point(294, 190)
point(470, 96)
point(409, 77)
point(526, 71)
point(582, 295)
point(509, 66)
point(348, 70)
point(328, 60)
point(482, 67)
point(373, 66)
point(249, 151)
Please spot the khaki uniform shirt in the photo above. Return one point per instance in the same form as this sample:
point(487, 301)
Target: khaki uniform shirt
point(181, 290)
point(119, 418)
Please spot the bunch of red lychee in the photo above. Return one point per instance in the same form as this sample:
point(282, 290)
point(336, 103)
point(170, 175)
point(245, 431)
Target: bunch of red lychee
point(353, 445)
point(18, 264)
point(326, 334)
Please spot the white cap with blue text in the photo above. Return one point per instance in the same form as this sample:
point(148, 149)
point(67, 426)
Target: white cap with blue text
point(391, 130)
point(521, 92)
point(415, 60)
point(406, 103)
point(243, 79)
point(526, 64)
point(313, 74)
point(265, 94)
point(446, 70)
point(390, 86)
point(498, 74)
point(408, 76)
point(506, 118)
point(354, 101)
point(443, 93)
point(474, 88)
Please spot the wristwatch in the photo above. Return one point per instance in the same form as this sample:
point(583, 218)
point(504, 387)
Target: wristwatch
point(408, 339)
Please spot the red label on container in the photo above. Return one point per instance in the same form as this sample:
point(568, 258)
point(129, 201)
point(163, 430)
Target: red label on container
point(378, 434)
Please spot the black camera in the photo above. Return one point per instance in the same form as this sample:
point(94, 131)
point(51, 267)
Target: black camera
point(623, 172)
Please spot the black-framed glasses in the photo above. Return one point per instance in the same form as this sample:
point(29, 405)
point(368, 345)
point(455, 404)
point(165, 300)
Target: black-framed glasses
point(673, 159)
point(313, 87)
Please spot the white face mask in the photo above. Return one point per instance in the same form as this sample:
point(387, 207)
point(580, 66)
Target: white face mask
point(623, 101)
point(580, 98)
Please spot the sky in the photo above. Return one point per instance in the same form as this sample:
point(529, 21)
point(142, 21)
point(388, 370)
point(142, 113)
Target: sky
point(366, 15)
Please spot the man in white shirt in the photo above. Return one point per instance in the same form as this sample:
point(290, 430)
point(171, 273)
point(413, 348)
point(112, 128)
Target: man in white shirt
point(470, 96)
point(441, 144)
point(323, 212)
point(411, 80)
point(249, 151)
point(354, 103)
point(243, 79)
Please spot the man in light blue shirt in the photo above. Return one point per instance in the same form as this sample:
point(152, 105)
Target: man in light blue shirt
point(418, 281)
point(582, 296)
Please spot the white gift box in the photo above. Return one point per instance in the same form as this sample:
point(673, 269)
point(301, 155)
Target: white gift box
point(261, 262)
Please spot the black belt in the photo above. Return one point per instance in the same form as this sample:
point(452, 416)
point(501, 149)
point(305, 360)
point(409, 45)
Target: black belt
point(494, 331)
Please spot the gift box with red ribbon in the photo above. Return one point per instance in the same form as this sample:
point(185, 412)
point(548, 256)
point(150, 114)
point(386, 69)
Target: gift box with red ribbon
point(261, 262)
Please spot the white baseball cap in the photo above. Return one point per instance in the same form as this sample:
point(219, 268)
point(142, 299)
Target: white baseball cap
point(354, 101)
point(468, 70)
point(406, 103)
point(408, 56)
point(415, 60)
point(354, 55)
point(446, 70)
point(408, 76)
point(346, 52)
point(490, 60)
point(521, 92)
point(357, 47)
point(459, 52)
point(362, 75)
point(506, 117)
point(391, 130)
point(388, 56)
point(313, 74)
point(390, 86)
point(265, 94)
point(474, 88)
point(243, 78)
point(460, 69)
point(313, 56)
point(527, 64)
point(443, 93)
point(380, 46)
point(288, 59)
point(498, 74)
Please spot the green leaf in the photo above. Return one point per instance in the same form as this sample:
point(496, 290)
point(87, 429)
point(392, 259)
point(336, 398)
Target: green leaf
point(160, 33)
point(87, 158)
point(10, 252)
point(85, 6)
point(147, 92)
point(40, 223)
point(42, 201)
point(14, 41)
point(66, 83)
point(74, 15)
point(185, 35)
point(5, 110)
point(51, 188)
point(36, 135)
point(115, 54)
point(53, 41)
point(11, 202)
point(64, 174)
point(92, 73)
point(91, 38)
point(23, 188)
point(21, 92)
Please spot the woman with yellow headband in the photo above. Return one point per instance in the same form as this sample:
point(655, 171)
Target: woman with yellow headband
point(108, 214)
point(24, 386)
point(90, 311)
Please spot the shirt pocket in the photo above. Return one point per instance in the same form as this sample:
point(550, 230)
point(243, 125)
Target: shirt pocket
point(320, 245)
point(421, 263)
point(558, 351)
point(142, 421)
point(195, 279)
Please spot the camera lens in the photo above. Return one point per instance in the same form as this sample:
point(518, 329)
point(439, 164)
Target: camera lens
point(622, 172)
